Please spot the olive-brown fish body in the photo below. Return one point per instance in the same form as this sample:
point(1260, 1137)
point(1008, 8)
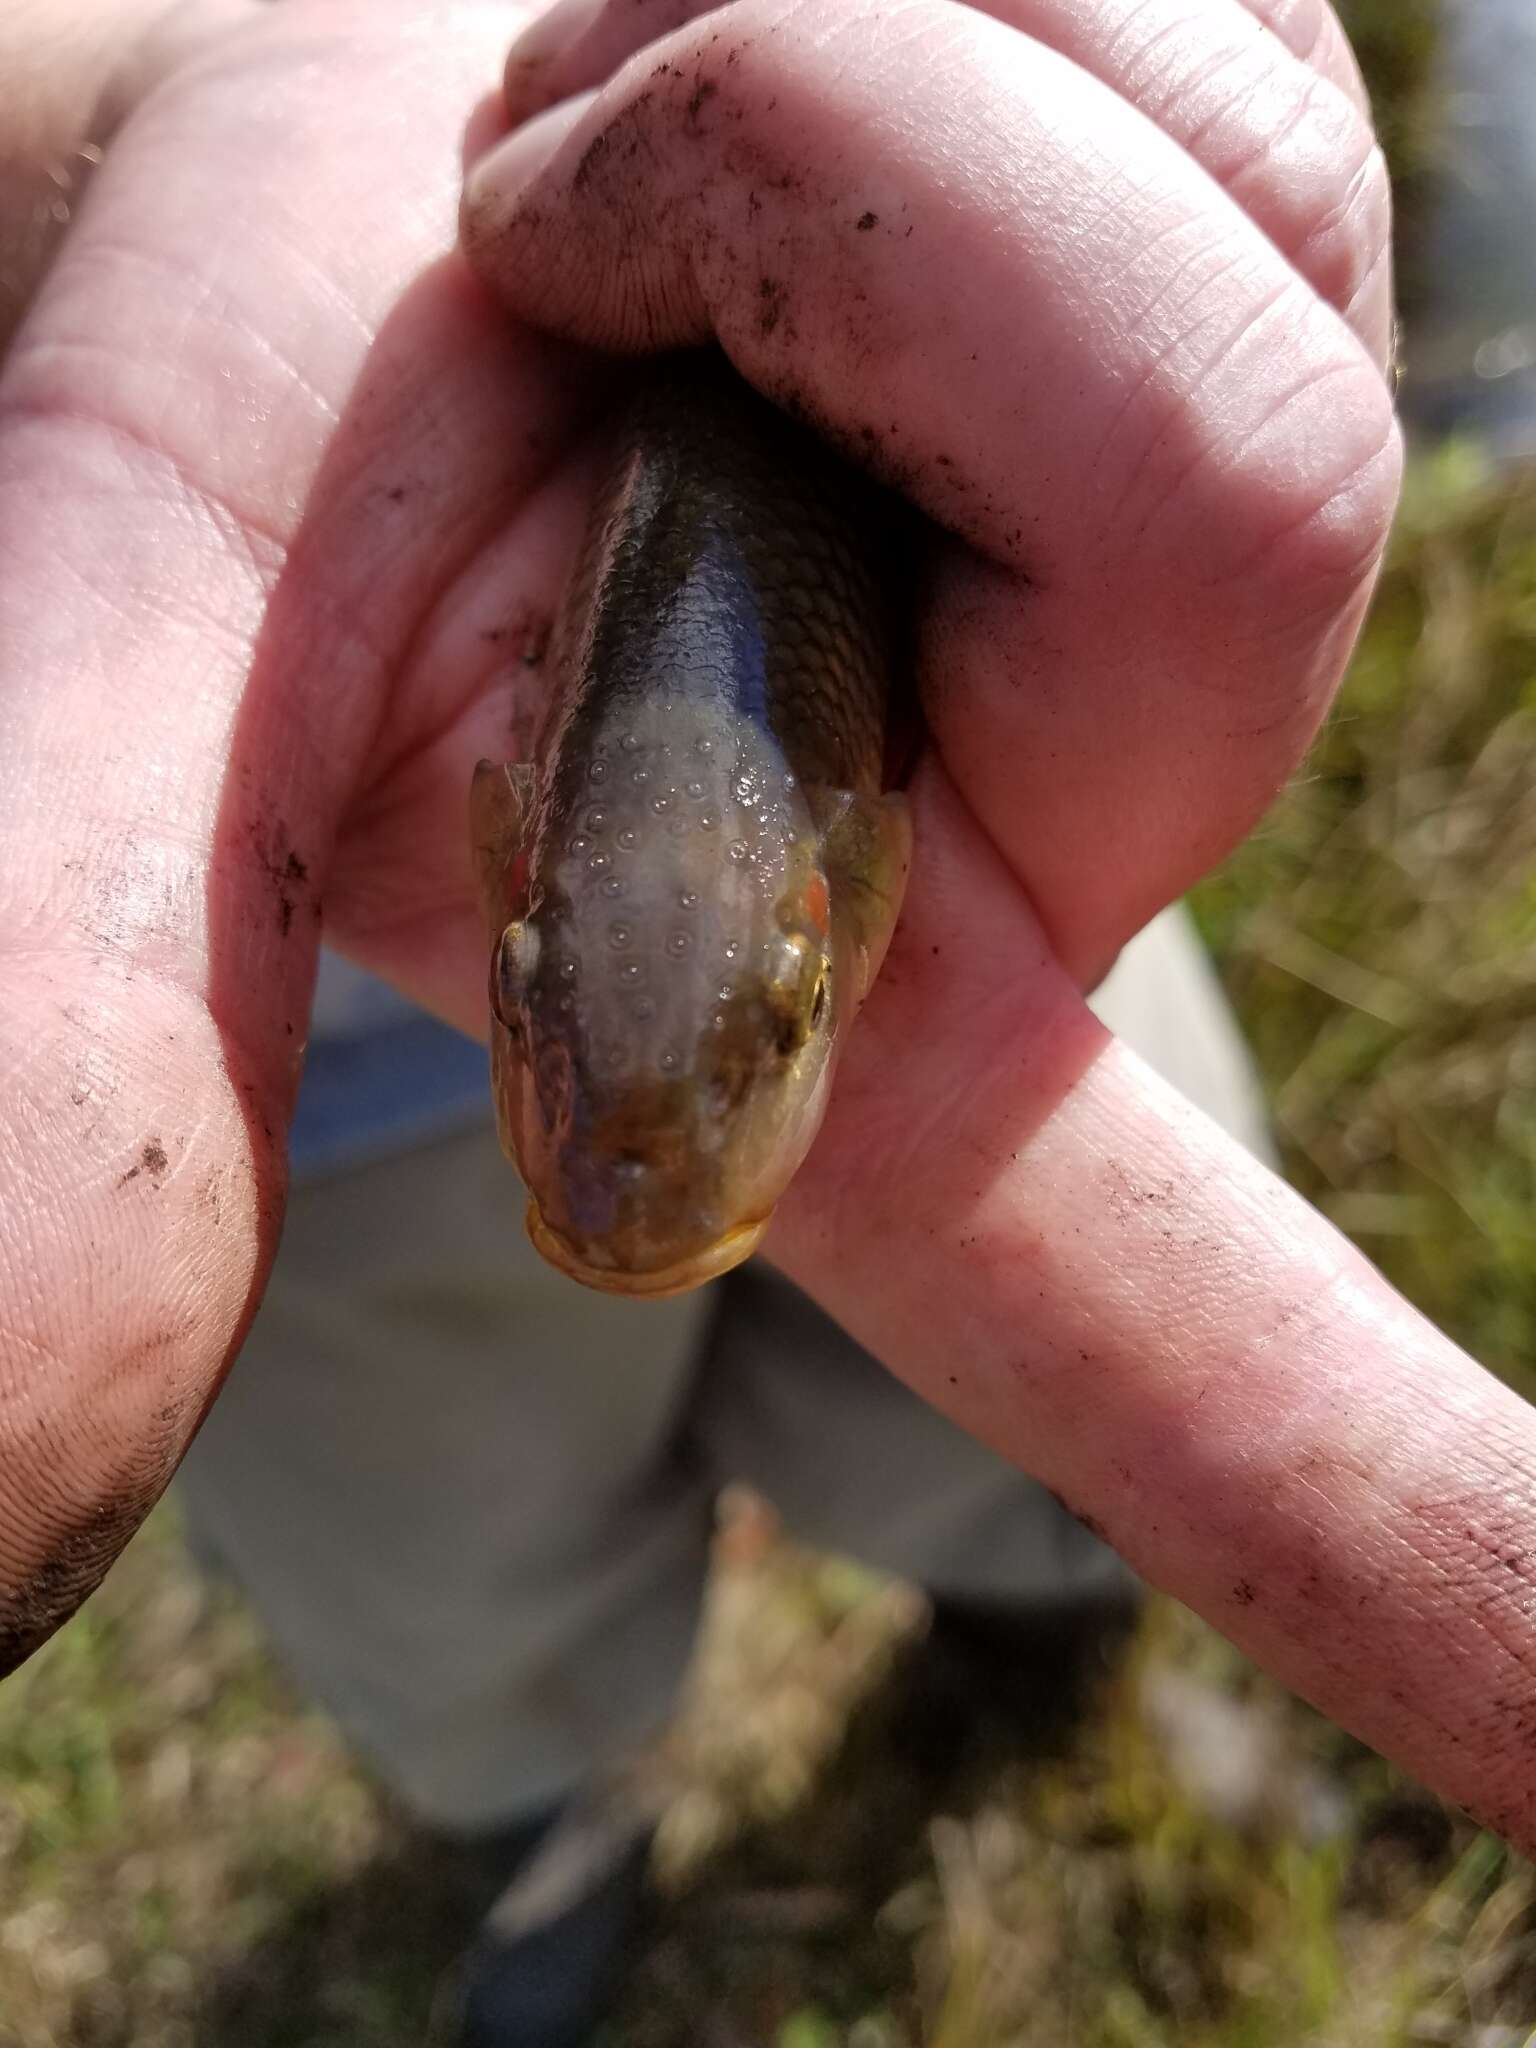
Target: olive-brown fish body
point(690, 884)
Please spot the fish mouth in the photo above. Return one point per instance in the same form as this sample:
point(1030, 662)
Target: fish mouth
point(657, 1285)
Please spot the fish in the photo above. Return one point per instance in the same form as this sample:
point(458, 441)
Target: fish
point(690, 884)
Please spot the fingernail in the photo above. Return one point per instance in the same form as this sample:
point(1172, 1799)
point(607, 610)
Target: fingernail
point(547, 37)
point(494, 186)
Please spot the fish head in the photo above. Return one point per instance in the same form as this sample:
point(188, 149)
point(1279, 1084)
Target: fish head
point(667, 1027)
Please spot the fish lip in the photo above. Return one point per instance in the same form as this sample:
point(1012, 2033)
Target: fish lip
point(679, 1278)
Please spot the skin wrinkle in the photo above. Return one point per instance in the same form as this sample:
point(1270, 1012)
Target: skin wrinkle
point(1206, 266)
point(195, 298)
point(1316, 91)
point(1123, 49)
point(196, 433)
point(1258, 157)
point(1318, 219)
point(1232, 106)
point(35, 1348)
point(231, 525)
point(138, 445)
point(1368, 191)
point(211, 620)
point(1337, 558)
point(1279, 402)
point(1136, 78)
point(150, 918)
point(1380, 268)
point(1350, 573)
point(1154, 376)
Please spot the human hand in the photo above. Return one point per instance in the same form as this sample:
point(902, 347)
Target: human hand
point(1071, 277)
point(282, 499)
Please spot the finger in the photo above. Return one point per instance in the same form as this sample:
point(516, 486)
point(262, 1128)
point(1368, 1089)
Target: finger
point(1312, 31)
point(1177, 466)
point(1047, 1242)
point(224, 503)
point(1289, 139)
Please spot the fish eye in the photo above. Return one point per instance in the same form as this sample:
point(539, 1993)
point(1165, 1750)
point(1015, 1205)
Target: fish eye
point(517, 955)
point(796, 992)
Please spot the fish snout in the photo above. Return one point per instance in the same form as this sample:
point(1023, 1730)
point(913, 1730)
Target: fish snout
point(646, 1216)
point(647, 1200)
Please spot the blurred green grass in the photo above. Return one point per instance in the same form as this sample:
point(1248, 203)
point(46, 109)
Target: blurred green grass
point(1378, 932)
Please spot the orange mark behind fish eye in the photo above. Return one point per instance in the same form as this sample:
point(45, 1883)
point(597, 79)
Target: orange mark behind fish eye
point(818, 905)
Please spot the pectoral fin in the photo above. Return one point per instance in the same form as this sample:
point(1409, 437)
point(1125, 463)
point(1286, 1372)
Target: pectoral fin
point(501, 813)
point(866, 844)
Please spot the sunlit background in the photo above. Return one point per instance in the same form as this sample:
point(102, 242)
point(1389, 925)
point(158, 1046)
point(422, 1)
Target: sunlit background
point(187, 1855)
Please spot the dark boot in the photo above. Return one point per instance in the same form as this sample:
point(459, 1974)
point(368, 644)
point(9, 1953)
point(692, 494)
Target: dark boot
point(551, 1950)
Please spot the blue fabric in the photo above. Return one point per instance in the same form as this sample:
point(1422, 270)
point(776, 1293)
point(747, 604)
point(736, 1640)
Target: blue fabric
point(379, 1077)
